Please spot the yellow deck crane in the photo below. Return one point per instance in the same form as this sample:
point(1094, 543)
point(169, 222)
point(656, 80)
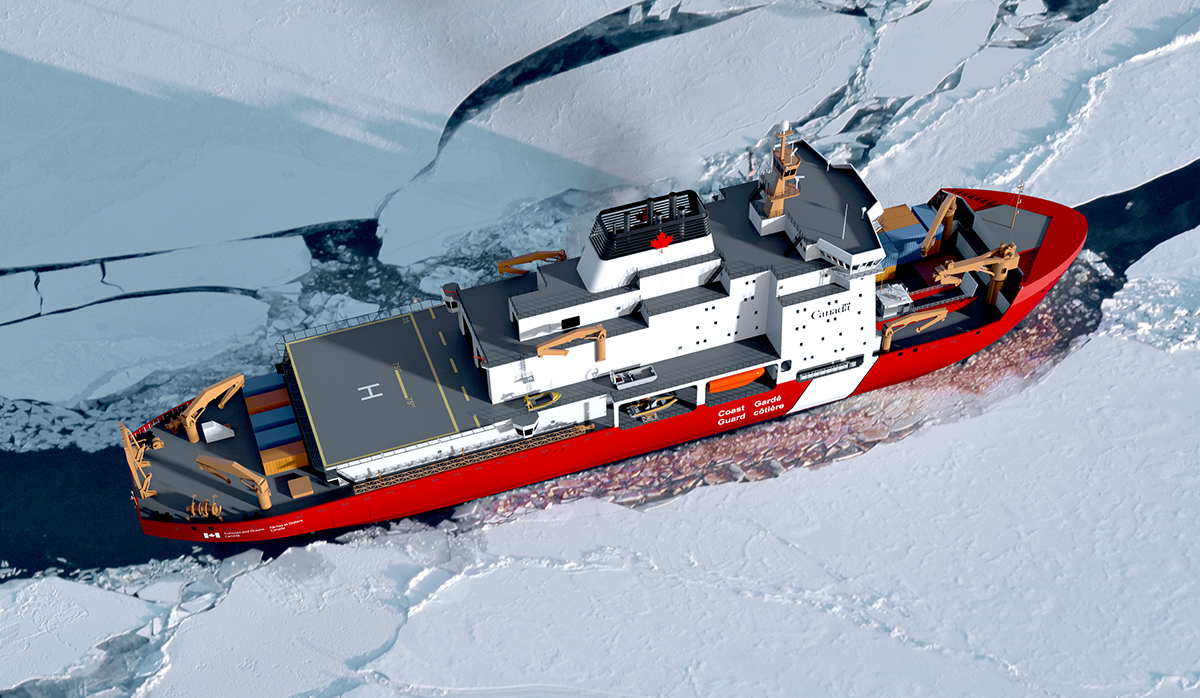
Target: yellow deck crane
point(595, 332)
point(997, 264)
point(187, 419)
point(508, 266)
point(933, 317)
point(222, 468)
point(945, 214)
point(135, 449)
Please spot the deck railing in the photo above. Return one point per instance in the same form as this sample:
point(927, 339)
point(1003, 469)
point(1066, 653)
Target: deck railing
point(169, 414)
point(352, 322)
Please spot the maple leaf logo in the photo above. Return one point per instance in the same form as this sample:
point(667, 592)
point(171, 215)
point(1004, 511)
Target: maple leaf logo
point(660, 243)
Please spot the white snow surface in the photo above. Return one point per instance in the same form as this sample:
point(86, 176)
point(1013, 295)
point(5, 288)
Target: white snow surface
point(644, 115)
point(1071, 119)
point(50, 624)
point(918, 50)
point(233, 118)
point(1160, 302)
point(104, 349)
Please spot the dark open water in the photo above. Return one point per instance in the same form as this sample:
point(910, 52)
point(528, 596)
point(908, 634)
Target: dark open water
point(70, 510)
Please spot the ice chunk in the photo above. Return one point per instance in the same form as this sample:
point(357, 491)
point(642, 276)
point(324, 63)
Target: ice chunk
point(108, 347)
point(909, 61)
point(49, 624)
point(1160, 302)
point(238, 564)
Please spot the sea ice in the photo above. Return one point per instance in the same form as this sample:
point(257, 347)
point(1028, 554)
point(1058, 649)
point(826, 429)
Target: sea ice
point(106, 348)
point(995, 137)
point(1160, 301)
point(908, 60)
point(18, 297)
point(137, 127)
point(47, 625)
point(248, 264)
point(602, 124)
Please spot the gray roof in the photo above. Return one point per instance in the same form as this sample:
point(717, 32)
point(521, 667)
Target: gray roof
point(681, 264)
point(824, 195)
point(744, 250)
point(685, 298)
point(811, 294)
point(564, 289)
point(830, 204)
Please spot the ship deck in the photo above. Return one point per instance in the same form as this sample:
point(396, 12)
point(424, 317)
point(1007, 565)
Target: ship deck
point(423, 384)
point(388, 384)
point(177, 478)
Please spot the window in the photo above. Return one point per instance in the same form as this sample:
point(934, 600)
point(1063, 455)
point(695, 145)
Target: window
point(570, 323)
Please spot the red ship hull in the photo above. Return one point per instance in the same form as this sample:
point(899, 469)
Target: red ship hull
point(1063, 241)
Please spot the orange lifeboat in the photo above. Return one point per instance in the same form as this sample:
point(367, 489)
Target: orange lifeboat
point(737, 380)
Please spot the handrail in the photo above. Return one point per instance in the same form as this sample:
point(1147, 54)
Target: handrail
point(355, 321)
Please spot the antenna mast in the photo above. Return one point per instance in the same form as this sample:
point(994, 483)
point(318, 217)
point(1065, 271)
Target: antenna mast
point(1017, 206)
point(786, 163)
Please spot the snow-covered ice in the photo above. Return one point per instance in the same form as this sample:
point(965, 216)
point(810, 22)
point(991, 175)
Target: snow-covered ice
point(1160, 302)
point(1045, 106)
point(917, 51)
point(50, 624)
point(104, 349)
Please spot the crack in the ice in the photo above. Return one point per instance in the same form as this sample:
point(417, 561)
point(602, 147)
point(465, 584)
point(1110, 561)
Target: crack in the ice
point(319, 238)
point(614, 33)
point(607, 36)
point(146, 294)
point(104, 277)
point(37, 282)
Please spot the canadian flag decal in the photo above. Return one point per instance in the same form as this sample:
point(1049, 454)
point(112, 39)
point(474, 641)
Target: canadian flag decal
point(660, 243)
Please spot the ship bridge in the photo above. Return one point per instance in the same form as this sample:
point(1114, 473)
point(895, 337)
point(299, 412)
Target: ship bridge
point(673, 277)
point(672, 293)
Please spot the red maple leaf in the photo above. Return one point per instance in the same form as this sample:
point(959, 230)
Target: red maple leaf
point(660, 243)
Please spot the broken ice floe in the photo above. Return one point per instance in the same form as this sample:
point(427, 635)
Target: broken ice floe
point(1160, 302)
point(30, 425)
point(119, 620)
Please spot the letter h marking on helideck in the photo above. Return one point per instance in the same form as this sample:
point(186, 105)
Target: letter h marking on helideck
point(371, 394)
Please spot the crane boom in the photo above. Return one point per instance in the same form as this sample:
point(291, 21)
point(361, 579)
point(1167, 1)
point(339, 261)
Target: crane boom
point(596, 332)
point(946, 212)
point(996, 264)
point(134, 452)
point(508, 266)
point(933, 316)
point(222, 468)
point(188, 418)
